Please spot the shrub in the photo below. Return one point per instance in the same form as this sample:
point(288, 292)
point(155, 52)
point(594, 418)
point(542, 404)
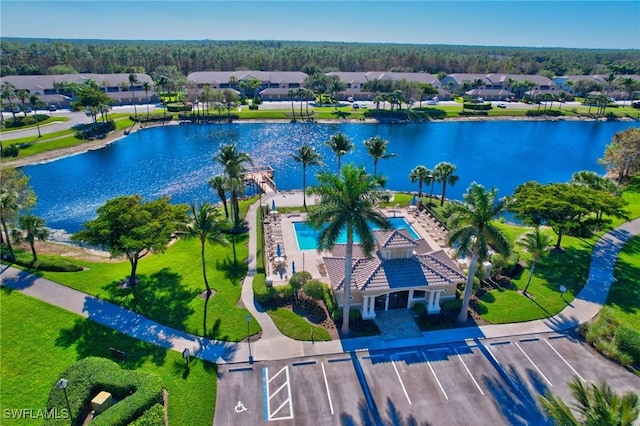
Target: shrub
point(154, 416)
point(329, 301)
point(137, 392)
point(179, 107)
point(473, 113)
point(628, 341)
point(9, 151)
point(485, 106)
point(93, 130)
point(313, 289)
point(299, 279)
point(253, 107)
point(419, 309)
point(151, 118)
point(547, 113)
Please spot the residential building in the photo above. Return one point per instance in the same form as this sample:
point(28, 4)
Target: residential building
point(275, 85)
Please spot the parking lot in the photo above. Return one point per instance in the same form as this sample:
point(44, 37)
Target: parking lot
point(476, 382)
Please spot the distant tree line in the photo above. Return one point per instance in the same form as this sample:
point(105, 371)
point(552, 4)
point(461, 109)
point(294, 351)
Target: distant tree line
point(44, 56)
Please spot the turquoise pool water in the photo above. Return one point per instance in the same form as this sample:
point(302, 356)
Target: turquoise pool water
point(307, 236)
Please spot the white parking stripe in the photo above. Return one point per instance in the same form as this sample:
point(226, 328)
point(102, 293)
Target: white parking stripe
point(424, 355)
point(470, 375)
point(565, 361)
point(326, 385)
point(401, 383)
point(534, 365)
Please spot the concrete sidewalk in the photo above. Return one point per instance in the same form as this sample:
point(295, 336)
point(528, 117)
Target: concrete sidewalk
point(272, 345)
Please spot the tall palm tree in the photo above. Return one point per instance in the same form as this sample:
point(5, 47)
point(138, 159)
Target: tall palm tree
point(628, 83)
point(233, 162)
point(147, 86)
point(206, 226)
point(307, 156)
point(133, 79)
point(536, 243)
point(8, 208)
point(443, 173)
point(340, 144)
point(220, 185)
point(33, 227)
point(377, 149)
point(8, 92)
point(34, 100)
point(597, 404)
point(472, 229)
point(348, 201)
point(420, 174)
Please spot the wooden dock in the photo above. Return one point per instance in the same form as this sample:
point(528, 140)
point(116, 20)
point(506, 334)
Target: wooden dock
point(262, 177)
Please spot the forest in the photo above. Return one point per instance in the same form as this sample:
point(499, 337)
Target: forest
point(44, 56)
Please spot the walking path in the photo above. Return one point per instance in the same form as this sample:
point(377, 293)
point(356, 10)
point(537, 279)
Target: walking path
point(273, 345)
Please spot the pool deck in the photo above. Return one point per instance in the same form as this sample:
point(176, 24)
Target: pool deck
point(279, 230)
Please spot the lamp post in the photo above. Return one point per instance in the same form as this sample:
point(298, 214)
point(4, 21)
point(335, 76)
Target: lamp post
point(248, 318)
point(431, 193)
point(62, 384)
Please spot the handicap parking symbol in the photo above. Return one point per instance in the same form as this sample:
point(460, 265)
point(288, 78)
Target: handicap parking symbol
point(240, 407)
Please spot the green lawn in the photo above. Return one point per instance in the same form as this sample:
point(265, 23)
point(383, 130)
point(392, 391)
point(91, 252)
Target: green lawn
point(38, 341)
point(624, 297)
point(296, 327)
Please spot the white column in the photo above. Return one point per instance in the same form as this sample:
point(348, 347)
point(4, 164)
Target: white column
point(434, 302)
point(410, 299)
point(386, 302)
point(372, 303)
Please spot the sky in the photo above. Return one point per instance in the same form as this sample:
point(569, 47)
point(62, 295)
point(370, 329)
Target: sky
point(540, 23)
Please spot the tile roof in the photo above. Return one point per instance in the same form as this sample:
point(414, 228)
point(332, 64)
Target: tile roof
point(394, 238)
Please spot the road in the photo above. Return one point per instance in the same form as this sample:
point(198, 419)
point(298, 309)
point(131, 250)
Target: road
point(482, 382)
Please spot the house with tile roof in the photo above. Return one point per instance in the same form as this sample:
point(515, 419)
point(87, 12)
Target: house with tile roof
point(52, 90)
point(275, 85)
point(401, 273)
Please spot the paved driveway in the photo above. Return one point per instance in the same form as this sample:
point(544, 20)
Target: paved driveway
point(492, 382)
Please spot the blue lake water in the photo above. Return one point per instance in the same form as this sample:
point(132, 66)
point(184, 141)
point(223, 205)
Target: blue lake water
point(177, 160)
point(307, 236)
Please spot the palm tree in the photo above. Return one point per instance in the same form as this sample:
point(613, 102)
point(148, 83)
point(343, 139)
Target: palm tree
point(8, 92)
point(629, 84)
point(597, 404)
point(377, 149)
point(348, 201)
point(472, 229)
point(292, 94)
point(340, 144)
point(8, 208)
point(219, 184)
point(536, 243)
point(420, 174)
point(476, 84)
point(34, 227)
point(307, 156)
point(34, 100)
point(133, 79)
point(233, 162)
point(146, 86)
point(206, 226)
point(443, 173)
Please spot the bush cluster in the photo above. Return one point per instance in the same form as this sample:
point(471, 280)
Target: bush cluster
point(135, 392)
point(473, 113)
point(46, 263)
point(95, 130)
point(151, 118)
point(179, 107)
point(548, 113)
point(9, 151)
point(22, 121)
point(329, 301)
point(628, 341)
point(484, 106)
point(253, 107)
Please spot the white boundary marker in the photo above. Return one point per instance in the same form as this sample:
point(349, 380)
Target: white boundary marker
point(467, 368)
point(401, 383)
point(534, 365)
point(287, 383)
point(424, 355)
point(565, 361)
point(326, 385)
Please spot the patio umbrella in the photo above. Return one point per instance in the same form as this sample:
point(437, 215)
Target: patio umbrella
point(278, 251)
point(293, 267)
point(273, 204)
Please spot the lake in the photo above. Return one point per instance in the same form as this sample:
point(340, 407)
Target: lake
point(177, 160)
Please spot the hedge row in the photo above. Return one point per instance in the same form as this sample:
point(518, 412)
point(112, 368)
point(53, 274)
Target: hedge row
point(151, 118)
point(179, 107)
point(477, 106)
point(95, 130)
point(135, 392)
point(548, 113)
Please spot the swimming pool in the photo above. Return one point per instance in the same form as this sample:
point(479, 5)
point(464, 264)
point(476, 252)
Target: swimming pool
point(307, 236)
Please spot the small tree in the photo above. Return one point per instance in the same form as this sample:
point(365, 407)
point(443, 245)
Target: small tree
point(536, 243)
point(297, 282)
point(131, 227)
point(313, 289)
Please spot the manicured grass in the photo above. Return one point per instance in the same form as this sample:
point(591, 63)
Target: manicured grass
point(35, 125)
point(38, 341)
point(171, 285)
point(294, 326)
point(624, 297)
